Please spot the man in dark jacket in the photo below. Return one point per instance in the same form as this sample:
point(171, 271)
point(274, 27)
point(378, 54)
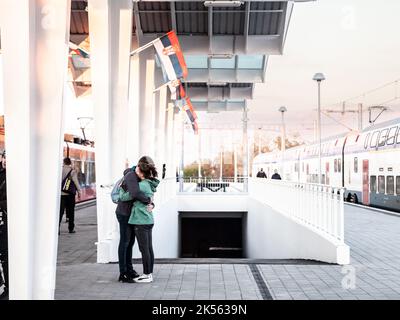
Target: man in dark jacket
point(3, 225)
point(127, 234)
point(261, 174)
point(276, 176)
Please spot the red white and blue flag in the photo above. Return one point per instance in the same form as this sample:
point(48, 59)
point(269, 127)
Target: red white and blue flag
point(171, 57)
point(77, 50)
point(195, 127)
point(177, 90)
point(188, 107)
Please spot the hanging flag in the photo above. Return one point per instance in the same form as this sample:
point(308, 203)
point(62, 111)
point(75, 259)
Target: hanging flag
point(177, 90)
point(195, 127)
point(170, 56)
point(188, 107)
point(77, 50)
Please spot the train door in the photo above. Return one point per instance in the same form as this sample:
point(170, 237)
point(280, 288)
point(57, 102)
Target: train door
point(327, 173)
point(365, 179)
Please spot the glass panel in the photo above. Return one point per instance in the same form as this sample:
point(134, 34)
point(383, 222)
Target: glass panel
point(250, 62)
point(391, 135)
point(196, 62)
point(373, 184)
point(225, 63)
point(381, 184)
point(390, 185)
point(335, 165)
point(355, 164)
point(339, 165)
point(374, 139)
point(398, 185)
point(382, 137)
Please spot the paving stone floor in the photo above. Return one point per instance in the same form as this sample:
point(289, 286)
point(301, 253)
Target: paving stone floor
point(374, 239)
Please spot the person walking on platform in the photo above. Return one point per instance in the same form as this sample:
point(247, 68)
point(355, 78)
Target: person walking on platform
point(261, 174)
point(276, 175)
point(3, 227)
point(68, 196)
point(127, 233)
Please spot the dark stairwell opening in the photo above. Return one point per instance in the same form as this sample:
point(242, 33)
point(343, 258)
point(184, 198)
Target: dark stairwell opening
point(212, 234)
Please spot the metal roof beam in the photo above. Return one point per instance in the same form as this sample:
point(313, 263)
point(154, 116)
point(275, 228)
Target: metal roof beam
point(173, 16)
point(246, 25)
point(226, 45)
point(139, 32)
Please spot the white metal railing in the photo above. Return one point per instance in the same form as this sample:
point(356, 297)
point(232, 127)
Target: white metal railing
point(318, 206)
point(204, 184)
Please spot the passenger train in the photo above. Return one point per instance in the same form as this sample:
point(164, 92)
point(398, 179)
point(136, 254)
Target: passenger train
point(83, 161)
point(366, 164)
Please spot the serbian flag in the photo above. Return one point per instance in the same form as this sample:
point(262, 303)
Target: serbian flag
point(77, 50)
point(188, 107)
point(171, 57)
point(195, 127)
point(177, 90)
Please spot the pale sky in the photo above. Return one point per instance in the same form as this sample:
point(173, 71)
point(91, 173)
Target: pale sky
point(355, 43)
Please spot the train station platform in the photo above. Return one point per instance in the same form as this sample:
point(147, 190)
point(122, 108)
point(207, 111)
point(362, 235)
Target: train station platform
point(374, 271)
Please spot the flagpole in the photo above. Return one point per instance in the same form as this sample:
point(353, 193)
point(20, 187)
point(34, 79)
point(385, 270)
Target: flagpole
point(163, 85)
point(142, 48)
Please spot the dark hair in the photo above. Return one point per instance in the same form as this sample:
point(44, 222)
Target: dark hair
point(147, 167)
point(67, 161)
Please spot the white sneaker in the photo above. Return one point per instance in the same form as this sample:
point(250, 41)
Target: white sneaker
point(144, 278)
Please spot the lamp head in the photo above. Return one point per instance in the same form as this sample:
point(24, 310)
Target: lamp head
point(319, 77)
point(282, 109)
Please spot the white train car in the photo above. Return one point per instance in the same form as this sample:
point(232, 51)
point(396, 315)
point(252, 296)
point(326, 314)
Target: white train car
point(366, 163)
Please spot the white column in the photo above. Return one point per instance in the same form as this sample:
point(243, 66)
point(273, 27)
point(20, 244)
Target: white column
point(147, 104)
point(160, 117)
point(234, 163)
point(34, 40)
point(245, 150)
point(199, 154)
point(170, 144)
point(110, 24)
point(132, 141)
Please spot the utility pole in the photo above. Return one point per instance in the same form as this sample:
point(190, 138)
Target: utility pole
point(245, 151)
point(360, 117)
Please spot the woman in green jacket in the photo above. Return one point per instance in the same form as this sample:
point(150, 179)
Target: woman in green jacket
point(143, 220)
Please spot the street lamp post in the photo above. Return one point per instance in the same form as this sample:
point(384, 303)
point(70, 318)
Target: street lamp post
point(319, 77)
point(282, 110)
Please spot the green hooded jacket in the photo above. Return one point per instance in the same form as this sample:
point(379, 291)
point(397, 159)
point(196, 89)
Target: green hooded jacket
point(139, 213)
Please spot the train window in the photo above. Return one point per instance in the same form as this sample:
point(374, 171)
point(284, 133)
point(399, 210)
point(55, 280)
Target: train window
point(390, 185)
point(372, 183)
point(391, 135)
point(374, 139)
point(381, 184)
point(366, 141)
point(398, 185)
point(355, 164)
point(339, 165)
point(383, 137)
point(335, 165)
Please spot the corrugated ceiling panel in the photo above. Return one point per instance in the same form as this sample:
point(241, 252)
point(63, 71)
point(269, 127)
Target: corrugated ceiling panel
point(79, 19)
point(265, 23)
point(191, 23)
point(157, 21)
point(229, 23)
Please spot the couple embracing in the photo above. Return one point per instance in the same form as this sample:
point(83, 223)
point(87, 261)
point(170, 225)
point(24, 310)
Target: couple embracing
point(135, 217)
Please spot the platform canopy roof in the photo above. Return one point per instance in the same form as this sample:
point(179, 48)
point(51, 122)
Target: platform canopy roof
point(226, 44)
